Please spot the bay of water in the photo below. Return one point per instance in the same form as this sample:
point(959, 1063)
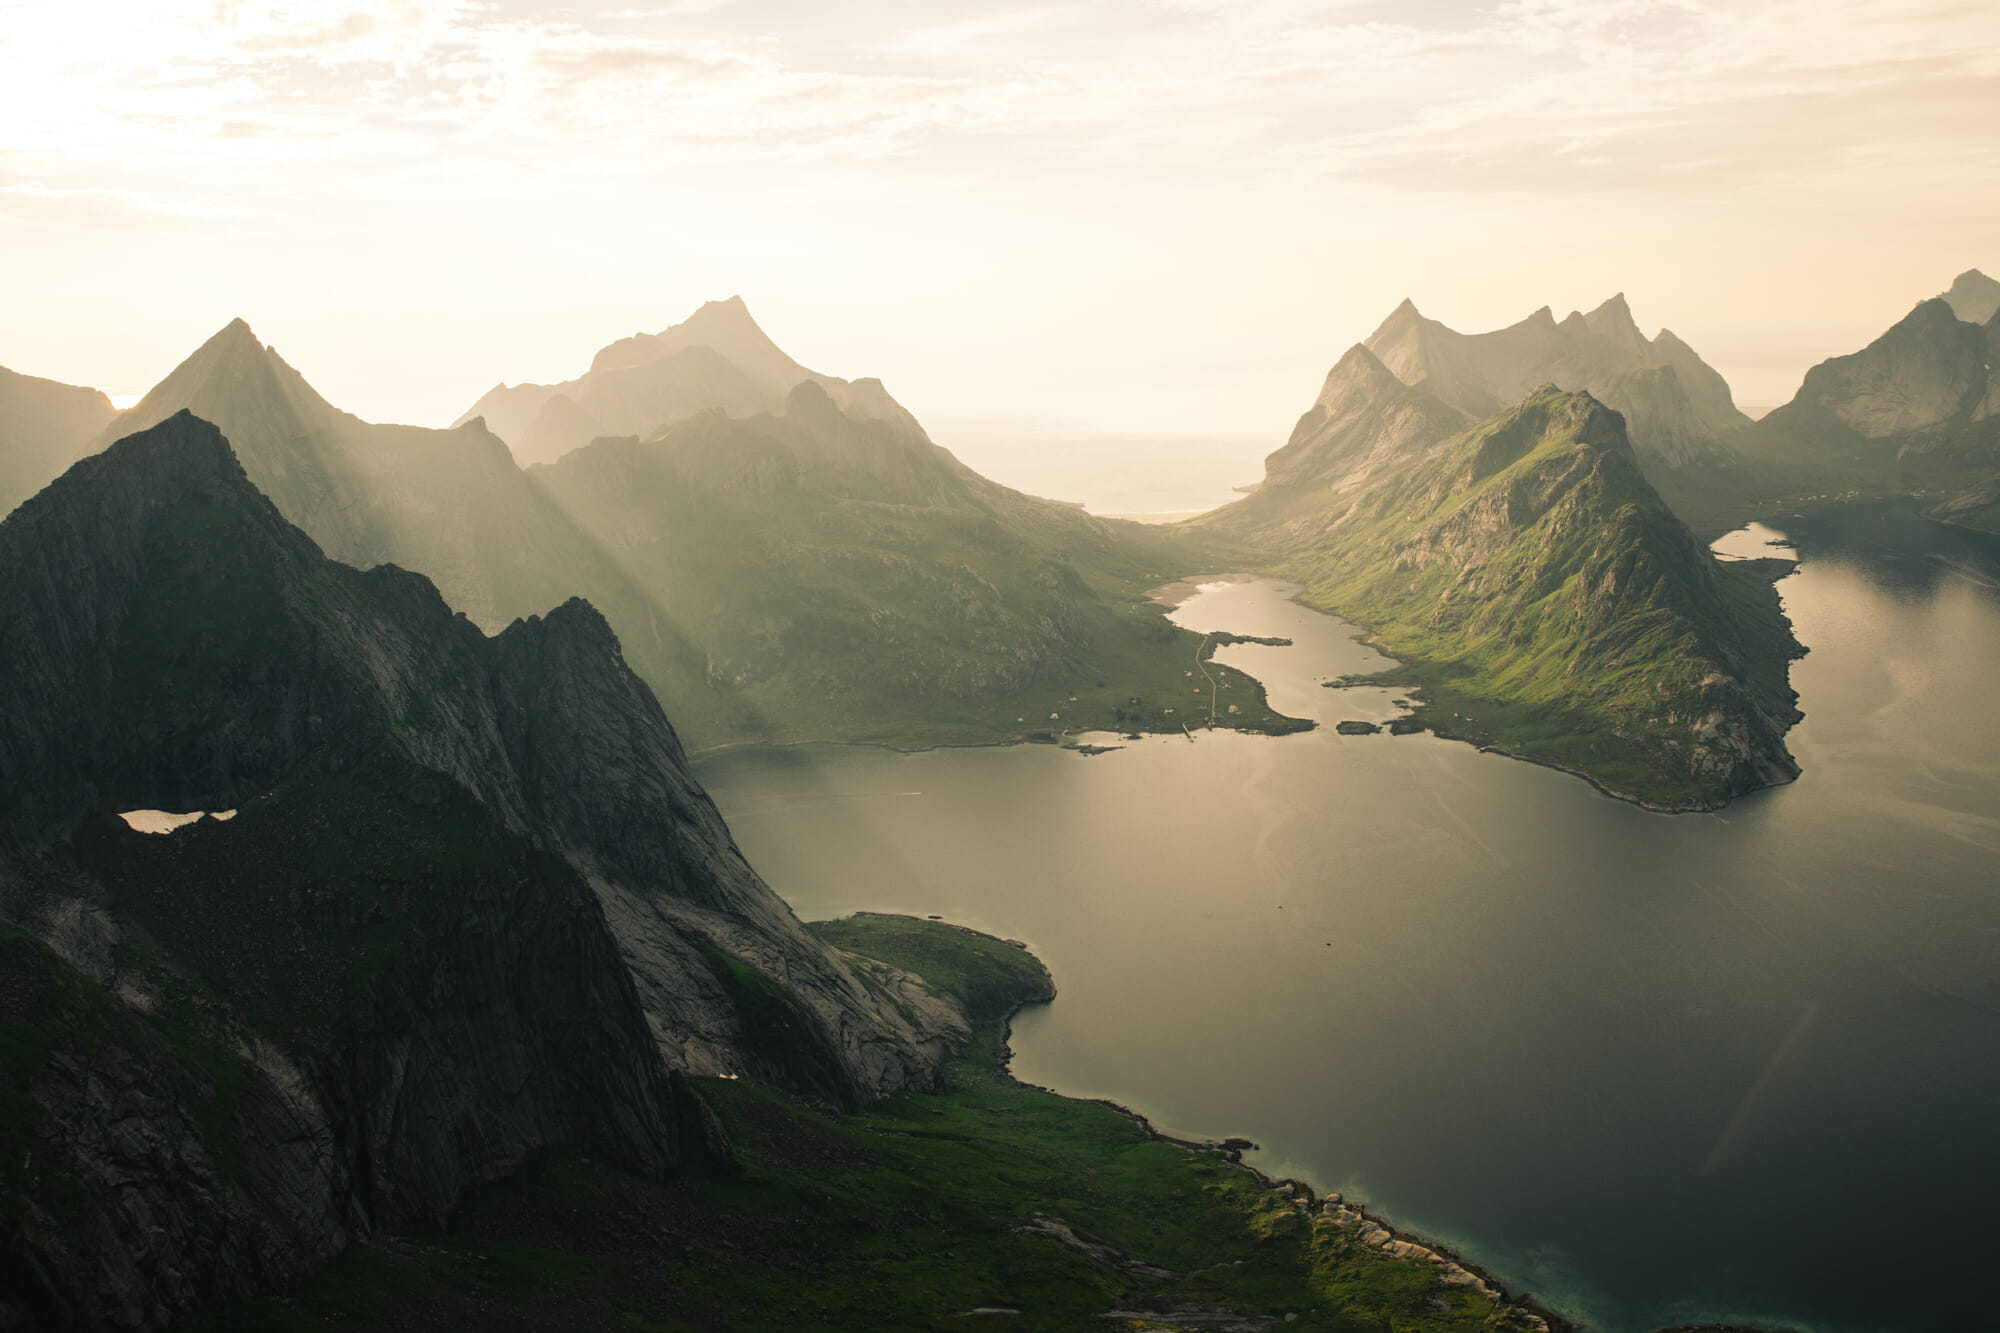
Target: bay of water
point(1653, 1068)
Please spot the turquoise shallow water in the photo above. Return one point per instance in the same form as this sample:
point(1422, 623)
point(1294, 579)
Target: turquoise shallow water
point(1654, 1068)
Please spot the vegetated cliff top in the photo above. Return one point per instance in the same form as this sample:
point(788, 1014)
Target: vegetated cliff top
point(1533, 580)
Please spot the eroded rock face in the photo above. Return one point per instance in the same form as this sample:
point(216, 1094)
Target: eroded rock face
point(472, 903)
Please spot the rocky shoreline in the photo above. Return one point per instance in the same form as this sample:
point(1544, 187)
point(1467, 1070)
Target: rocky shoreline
point(1369, 1229)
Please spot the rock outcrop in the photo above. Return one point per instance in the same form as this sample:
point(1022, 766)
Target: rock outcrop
point(470, 902)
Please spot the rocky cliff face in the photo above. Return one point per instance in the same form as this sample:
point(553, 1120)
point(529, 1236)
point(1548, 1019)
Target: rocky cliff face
point(44, 427)
point(471, 902)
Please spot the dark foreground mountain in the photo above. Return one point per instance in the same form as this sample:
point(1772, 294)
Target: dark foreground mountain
point(470, 904)
point(986, 1204)
point(44, 427)
point(449, 504)
point(1917, 411)
point(1678, 410)
point(1531, 579)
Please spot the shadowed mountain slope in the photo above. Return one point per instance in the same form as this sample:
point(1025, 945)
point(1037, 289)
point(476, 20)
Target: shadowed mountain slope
point(1548, 601)
point(470, 903)
point(449, 504)
point(44, 427)
point(848, 579)
point(753, 618)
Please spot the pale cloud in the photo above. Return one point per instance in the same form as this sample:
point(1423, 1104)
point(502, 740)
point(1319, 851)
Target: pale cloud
point(1190, 158)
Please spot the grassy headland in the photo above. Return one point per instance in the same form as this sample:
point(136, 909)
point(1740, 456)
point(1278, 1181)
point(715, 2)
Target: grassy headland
point(1550, 605)
point(1040, 1211)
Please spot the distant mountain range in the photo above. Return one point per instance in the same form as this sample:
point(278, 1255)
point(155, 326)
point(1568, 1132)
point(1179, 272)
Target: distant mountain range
point(786, 555)
point(1678, 410)
point(467, 903)
point(811, 571)
point(718, 359)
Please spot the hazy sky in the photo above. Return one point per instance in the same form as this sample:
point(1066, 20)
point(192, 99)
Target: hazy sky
point(1134, 215)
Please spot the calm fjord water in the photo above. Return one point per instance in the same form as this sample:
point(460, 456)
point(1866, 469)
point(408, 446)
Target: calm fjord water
point(1653, 1068)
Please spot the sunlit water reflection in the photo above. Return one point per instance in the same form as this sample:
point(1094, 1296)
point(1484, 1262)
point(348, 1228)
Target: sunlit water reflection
point(1653, 1068)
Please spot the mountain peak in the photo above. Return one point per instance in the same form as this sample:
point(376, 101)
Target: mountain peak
point(1358, 371)
point(723, 326)
point(1973, 297)
point(1613, 322)
point(238, 383)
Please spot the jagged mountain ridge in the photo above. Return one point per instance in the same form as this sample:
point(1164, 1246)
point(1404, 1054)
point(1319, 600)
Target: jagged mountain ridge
point(44, 427)
point(1679, 412)
point(716, 359)
point(470, 900)
point(1526, 569)
point(502, 544)
point(450, 504)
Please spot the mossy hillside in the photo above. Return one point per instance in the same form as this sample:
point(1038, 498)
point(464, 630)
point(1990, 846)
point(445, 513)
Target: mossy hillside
point(1552, 606)
point(884, 593)
point(905, 1216)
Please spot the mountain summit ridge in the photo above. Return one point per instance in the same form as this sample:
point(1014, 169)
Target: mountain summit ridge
point(717, 358)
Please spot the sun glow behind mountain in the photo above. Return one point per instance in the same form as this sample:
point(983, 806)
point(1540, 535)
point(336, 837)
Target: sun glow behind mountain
point(1127, 217)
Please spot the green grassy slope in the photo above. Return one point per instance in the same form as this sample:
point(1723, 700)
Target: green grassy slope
point(906, 1216)
point(1552, 606)
point(848, 580)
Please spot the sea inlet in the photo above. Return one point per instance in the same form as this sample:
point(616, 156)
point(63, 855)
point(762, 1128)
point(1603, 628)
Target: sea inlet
point(1656, 1069)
